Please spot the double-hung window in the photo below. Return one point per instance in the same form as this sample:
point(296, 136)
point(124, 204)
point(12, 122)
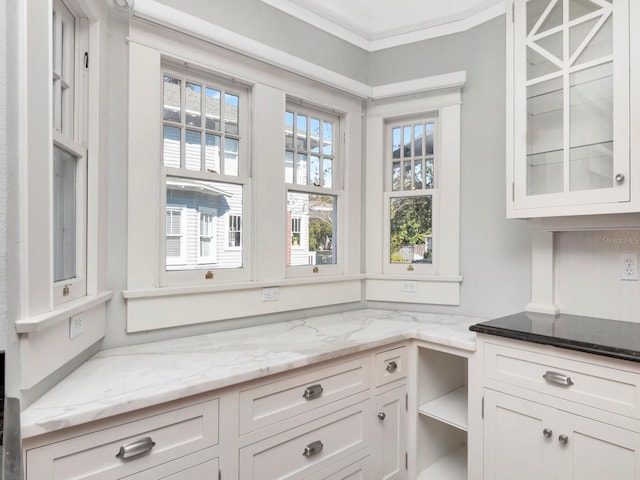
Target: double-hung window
point(69, 154)
point(312, 177)
point(204, 173)
point(411, 194)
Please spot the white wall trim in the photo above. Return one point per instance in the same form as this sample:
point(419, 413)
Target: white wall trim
point(420, 85)
point(159, 14)
point(372, 42)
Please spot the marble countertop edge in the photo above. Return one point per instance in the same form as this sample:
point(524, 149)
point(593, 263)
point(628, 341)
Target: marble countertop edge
point(186, 363)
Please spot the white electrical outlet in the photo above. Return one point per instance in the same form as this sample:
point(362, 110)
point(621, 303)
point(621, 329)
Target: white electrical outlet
point(76, 326)
point(629, 266)
point(409, 286)
point(270, 294)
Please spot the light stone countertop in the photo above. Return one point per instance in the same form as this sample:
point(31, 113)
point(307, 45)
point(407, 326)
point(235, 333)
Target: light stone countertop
point(124, 379)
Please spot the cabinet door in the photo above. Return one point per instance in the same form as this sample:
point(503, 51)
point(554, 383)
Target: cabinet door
point(391, 447)
point(570, 74)
point(516, 442)
point(594, 450)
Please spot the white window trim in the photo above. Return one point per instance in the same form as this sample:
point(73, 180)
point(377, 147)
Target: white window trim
point(226, 298)
point(206, 259)
point(308, 108)
point(442, 284)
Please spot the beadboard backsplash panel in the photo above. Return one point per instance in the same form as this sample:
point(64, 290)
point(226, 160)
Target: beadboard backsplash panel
point(588, 270)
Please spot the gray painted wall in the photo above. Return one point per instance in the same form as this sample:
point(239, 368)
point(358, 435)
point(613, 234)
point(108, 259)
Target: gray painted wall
point(259, 21)
point(495, 253)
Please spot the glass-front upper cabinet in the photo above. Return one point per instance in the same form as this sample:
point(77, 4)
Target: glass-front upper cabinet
point(568, 106)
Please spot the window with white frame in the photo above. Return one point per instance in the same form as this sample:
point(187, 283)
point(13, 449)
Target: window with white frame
point(174, 225)
point(69, 153)
point(312, 167)
point(411, 156)
point(204, 166)
point(234, 235)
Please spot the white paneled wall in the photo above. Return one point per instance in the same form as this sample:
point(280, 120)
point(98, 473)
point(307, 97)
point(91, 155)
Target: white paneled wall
point(587, 274)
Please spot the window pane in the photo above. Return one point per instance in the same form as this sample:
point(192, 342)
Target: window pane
point(410, 232)
point(301, 169)
point(314, 170)
point(429, 174)
point(288, 167)
point(314, 136)
point(197, 216)
point(429, 138)
point(212, 104)
point(311, 220)
point(395, 142)
point(407, 141)
point(395, 176)
point(327, 172)
point(301, 132)
point(212, 153)
point(231, 147)
point(171, 147)
point(327, 138)
point(288, 129)
point(193, 150)
point(418, 177)
point(64, 215)
point(407, 175)
point(418, 140)
point(171, 110)
point(231, 114)
point(193, 107)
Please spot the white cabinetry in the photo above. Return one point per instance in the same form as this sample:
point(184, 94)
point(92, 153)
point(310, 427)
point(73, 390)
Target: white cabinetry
point(162, 441)
point(442, 415)
point(571, 106)
point(531, 441)
point(554, 413)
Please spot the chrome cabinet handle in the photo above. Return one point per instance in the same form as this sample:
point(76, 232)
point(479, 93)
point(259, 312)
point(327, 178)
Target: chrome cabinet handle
point(620, 177)
point(563, 439)
point(135, 448)
point(557, 378)
point(547, 432)
point(313, 448)
point(313, 391)
point(382, 415)
point(391, 367)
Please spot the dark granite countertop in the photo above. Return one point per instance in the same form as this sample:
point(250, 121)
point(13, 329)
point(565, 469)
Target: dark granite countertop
point(11, 463)
point(610, 338)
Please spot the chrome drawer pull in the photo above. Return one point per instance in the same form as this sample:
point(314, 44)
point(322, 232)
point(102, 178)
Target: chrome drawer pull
point(313, 391)
point(563, 439)
point(547, 432)
point(557, 378)
point(135, 448)
point(313, 448)
point(392, 367)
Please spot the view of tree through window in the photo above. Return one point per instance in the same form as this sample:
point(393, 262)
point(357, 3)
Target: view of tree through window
point(310, 168)
point(412, 174)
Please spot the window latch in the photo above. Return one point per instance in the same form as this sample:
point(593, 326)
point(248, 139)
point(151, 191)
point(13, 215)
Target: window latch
point(86, 60)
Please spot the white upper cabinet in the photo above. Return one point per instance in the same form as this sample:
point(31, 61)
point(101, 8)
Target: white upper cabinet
point(569, 108)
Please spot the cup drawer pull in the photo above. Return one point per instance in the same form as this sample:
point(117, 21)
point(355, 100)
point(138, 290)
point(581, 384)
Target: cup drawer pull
point(557, 378)
point(313, 391)
point(313, 448)
point(391, 367)
point(135, 448)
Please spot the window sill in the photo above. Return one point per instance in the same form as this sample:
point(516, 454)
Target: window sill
point(62, 312)
point(230, 287)
point(418, 277)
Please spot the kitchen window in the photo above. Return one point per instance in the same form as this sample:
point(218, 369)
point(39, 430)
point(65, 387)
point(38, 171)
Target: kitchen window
point(69, 183)
point(411, 164)
point(312, 177)
point(203, 168)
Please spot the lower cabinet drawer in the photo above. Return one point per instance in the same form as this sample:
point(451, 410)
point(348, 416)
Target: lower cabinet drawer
point(278, 400)
point(358, 470)
point(99, 455)
point(197, 466)
point(588, 383)
point(303, 451)
point(391, 365)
